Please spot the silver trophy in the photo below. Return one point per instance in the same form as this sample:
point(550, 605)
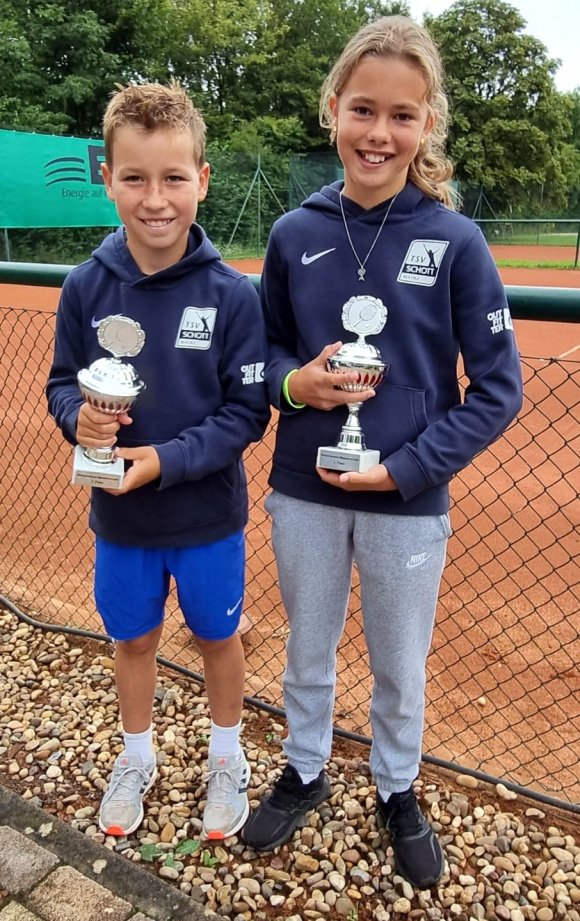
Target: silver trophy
point(364, 316)
point(111, 386)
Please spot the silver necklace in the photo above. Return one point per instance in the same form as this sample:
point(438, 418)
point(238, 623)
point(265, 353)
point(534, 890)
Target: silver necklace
point(361, 271)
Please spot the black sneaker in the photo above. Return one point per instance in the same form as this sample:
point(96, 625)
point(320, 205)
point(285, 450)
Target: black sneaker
point(418, 854)
point(273, 822)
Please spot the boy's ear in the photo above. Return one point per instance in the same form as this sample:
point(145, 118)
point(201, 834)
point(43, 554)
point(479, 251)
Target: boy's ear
point(203, 179)
point(106, 173)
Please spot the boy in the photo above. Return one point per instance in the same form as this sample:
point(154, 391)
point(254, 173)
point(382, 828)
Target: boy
point(183, 504)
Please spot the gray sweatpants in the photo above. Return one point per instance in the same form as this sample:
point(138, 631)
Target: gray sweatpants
point(400, 560)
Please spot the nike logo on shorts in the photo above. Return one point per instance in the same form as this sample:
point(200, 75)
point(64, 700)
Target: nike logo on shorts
point(306, 260)
point(231, 611)
point(95, 323)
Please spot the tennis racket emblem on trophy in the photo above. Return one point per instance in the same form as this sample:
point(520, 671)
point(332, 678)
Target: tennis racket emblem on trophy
point(363, 316)
point(111, 386)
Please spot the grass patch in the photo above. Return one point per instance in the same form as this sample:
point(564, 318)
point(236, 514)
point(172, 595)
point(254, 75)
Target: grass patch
point(239, 252)
point(527, 264)
point(538, 239)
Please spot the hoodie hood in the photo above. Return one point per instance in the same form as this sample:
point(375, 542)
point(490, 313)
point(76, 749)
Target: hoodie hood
point(408, 201)
point(113, 253)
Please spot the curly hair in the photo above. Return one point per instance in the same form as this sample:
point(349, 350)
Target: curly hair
point(150, 106)
point(400, 37)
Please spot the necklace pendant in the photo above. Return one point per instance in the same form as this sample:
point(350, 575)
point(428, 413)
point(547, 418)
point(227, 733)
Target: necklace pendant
point(361, 274)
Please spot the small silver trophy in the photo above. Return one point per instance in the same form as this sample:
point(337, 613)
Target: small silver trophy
point(111, 386)
point(364, 316)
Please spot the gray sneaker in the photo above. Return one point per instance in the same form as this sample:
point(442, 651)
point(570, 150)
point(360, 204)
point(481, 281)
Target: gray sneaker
point(227, 804)
point(121, 809)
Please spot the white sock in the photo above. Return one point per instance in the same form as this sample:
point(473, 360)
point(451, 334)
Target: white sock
point(307, 778)
point(225, 740)
point(140, 743)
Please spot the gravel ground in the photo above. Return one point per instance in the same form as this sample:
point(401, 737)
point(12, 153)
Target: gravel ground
point(507, 859)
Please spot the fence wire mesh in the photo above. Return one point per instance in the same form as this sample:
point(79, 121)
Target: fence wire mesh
point(503, 694)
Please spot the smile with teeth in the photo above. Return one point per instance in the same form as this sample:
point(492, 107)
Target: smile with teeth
point(158, 223)
point(375, 157)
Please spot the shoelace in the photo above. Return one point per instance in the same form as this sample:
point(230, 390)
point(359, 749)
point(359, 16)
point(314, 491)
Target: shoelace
point(123, 784)
point(407, 818)
point(225, 782)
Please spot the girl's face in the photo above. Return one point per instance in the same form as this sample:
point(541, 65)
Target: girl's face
point(381, 116)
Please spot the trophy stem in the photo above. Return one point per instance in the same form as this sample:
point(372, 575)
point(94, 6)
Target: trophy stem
point(352, 436)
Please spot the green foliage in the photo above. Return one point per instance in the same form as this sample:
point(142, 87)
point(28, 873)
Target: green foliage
point(187, 847)
point(66, 246)
point(510, 129)
point(255, 68)
point(208, 860)
point(247, 193)
point(150, 852)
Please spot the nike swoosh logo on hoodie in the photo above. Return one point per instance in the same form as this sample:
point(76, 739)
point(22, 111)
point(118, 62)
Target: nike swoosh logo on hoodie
point(306, 260)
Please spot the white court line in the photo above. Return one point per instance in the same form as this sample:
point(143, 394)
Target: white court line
point(569, 352)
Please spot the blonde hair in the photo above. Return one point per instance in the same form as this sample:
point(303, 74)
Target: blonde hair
point(400, 37)
point(150, 106)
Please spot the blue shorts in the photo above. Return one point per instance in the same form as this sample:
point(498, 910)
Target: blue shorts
point(132, 585)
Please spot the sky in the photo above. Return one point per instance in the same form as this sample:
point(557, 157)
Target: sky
point(556, 23)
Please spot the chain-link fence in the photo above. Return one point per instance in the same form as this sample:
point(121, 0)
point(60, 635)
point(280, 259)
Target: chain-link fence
point(249, 191)
point(504, 680)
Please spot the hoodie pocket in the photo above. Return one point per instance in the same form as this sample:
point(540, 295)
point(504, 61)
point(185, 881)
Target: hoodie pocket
point(395, 416)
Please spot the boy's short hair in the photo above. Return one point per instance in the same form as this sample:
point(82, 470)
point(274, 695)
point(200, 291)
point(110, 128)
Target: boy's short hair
point(150, 106)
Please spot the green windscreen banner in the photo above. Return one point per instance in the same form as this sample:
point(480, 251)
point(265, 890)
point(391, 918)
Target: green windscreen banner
point(52, 181)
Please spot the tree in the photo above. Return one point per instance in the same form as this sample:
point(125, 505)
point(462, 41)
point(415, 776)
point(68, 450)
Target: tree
point(309, 36)
point(60, 60)
point(509, 126)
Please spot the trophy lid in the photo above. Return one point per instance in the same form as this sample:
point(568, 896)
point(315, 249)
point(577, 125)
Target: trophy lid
point(111, 378)
point(364, 315)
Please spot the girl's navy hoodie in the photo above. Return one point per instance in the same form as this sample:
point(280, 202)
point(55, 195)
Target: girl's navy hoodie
point(432, 269)
point(205, 399)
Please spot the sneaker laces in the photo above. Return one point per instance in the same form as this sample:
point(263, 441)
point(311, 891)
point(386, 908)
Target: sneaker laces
point(122, 786)
point(223, 783)
point(406, 820)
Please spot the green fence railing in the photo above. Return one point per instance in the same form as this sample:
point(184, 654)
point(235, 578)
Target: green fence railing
point(503, 695)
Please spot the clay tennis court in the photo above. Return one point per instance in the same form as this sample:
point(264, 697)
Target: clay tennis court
point(507, 631)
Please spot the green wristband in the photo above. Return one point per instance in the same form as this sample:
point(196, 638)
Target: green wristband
point(285, 393)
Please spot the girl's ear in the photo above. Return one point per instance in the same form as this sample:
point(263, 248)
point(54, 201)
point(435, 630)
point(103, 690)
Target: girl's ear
point(429, 124)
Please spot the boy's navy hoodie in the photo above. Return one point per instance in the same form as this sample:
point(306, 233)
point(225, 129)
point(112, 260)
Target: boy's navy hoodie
point(205, 400)
point(433, 271)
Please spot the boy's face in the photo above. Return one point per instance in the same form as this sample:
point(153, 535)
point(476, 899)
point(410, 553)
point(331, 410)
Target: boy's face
point(156, 186)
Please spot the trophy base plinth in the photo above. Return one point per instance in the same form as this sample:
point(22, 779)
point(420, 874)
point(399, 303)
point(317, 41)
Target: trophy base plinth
point(335, 458)
point(89, 473)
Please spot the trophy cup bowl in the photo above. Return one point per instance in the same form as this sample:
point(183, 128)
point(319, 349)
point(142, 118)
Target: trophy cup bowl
point(363, 358)
point(351, 452)
point(109, 386)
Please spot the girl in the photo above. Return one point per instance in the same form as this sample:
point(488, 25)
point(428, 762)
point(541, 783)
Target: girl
point(382, 254)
